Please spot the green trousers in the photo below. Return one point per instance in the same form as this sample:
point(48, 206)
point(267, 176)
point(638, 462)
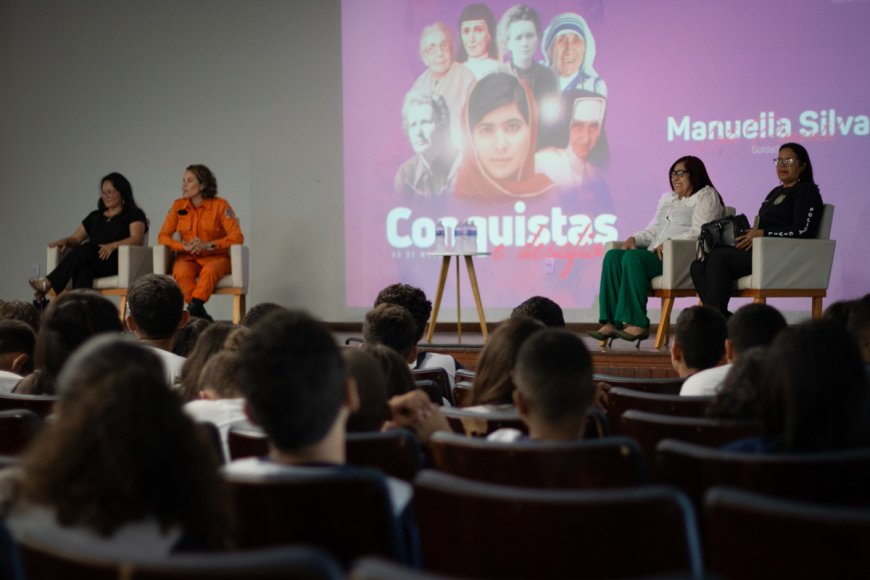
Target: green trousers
point(625, 277)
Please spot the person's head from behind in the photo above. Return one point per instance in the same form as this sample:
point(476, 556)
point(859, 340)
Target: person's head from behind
point(21, 310)
point(392, 326)
point(209, 343)
point(688, 175)
point(500, 125)
point(752, 325)
point(426, 119)
point(399, 379)
point(817, 390)
point(185, 337)
point(587, 122)
point(219, 378)
point(293, 380)
point(112, 185)
point(121, 450)
point(741, 395)
point(156, 307)
point(493, 384)
point(477, 28)
point(553, 375)
point(543, 309)
point(838, 311)
point(17, 342)
point(371, 386)
point(858, 323)
point(699, 340)
point(70, 320)
point(259, 311)
point(436, 48)
point(518, 32)
point(411, 298)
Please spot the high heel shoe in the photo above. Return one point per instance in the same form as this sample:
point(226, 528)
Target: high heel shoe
point(41, 285)
point(606, 338)
point(632, 337)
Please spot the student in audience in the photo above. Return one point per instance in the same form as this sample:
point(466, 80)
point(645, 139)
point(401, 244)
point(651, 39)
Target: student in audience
point(121, 472)
point(392, 326)
point(817, 393)
point(838, 311)
point(554, 390)
point(70, 319)
point(17, 341)
point(752, 325)
point(259, 311)
point(20, 310)
point(858, 324)
point(699, 344)
point(543, 309)
point(493, 384)
point(740, 396)
point(297, 390)
point(420, 308)
point(185, 337)
point(398, 375)
point(371, 386)
point(220, 401)
point(210, 342)
point(155, 311)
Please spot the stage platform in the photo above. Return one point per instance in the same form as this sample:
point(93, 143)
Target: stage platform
point(621, 359)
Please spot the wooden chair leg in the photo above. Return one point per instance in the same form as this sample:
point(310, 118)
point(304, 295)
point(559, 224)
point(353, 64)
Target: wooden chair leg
point(122, 307)
point(664, 322)
point(238, 308)
point(817, 307)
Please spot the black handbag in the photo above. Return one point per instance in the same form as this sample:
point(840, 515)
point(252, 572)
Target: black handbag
point(720, 233)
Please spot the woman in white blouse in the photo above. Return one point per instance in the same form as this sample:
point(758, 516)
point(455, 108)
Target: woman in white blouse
point(626, 272)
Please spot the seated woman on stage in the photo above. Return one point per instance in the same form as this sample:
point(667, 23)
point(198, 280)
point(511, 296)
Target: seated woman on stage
point(626, 272)
point(207, 227)
point(121, 471)
point(792, 210)
point(117, 221)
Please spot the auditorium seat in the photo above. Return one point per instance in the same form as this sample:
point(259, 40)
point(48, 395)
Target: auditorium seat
point(235, 283)
point(57, 561)
point(841, 477)
point(650, 428)
point(133, 263)
point(462, 394)
point(246, 440)
point(42, 405)
point(476, 424)
point(662, 386)
point(620, 399)
point(347, 514)
point(440, 377)
point(481, 530)
point(18, 427)
point(601, 463)
point(753, 536)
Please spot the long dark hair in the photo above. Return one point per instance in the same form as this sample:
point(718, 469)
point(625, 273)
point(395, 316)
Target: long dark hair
point(803, 158)
point(493, 384)
point(122, 184)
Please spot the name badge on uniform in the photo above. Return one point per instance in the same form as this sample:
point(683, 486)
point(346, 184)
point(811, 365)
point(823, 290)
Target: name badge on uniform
point(779, 199)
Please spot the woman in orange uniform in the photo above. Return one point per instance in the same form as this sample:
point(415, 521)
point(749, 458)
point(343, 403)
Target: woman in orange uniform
point(207, 227)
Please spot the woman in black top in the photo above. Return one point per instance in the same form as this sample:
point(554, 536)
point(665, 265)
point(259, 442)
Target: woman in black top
point(792, 210)
point(117, 221)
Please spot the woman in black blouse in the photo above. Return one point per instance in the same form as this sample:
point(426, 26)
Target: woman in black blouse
point(117, 221)
point(791, 210)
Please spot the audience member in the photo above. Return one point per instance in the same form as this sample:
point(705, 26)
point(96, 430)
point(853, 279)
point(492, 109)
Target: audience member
point(17, 341)
point(392, 326)
point(838, 311)
point(210, 342)
point(420, 308)
point(259, 311)
point(155, 311)
point(817, 393)
point(699, 344)
point(20, 310)
point(858, 324)
point(371, 387)
point(121, 472)
point(740, 396)
point(185, 337)
point(493, 383)
point(543, 309)
point(398, 375)
point(70, 319)
point(553, 374)
point(752, 325)
point(220, 401)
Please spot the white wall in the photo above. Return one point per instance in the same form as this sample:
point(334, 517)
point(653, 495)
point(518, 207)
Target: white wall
point(252, 88)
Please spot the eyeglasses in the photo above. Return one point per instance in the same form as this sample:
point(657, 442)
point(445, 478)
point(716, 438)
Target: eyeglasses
point(430, 49)
point(678, 173)
point(780, 162)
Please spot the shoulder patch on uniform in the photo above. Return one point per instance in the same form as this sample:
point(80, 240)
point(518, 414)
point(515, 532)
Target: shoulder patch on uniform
point(229, 213)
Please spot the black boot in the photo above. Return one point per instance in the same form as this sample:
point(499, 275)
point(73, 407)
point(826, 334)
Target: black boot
point(197, 308)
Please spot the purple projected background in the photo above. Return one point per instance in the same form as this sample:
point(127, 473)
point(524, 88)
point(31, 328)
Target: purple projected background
point(671, 68)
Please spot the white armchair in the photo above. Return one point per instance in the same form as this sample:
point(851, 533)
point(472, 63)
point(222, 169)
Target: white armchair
point(133, 263)
point(787, 267)
point(235, 283)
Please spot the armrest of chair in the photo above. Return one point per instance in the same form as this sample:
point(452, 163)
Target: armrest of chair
point(239, 265)
point(786, 263)
point(677, 257)
point(161, 259)
point(52, 257)
point(133, 263)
